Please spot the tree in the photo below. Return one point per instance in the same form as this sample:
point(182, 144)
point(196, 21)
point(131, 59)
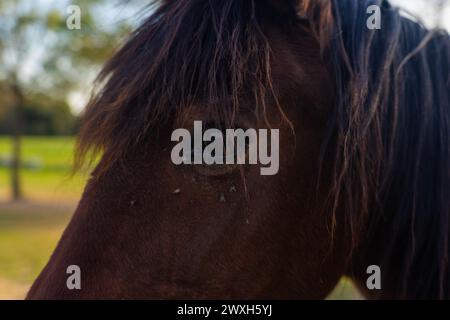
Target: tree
point(39, 53)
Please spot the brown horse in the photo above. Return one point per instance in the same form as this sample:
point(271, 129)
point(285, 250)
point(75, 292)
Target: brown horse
point(364, 172)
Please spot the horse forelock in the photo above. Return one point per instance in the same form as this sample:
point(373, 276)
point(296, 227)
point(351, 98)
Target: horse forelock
point(213, 53)
point(390, 123)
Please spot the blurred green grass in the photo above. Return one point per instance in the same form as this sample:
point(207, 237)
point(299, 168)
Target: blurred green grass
point(28, 234)
point(46, 172)
point(30, 229)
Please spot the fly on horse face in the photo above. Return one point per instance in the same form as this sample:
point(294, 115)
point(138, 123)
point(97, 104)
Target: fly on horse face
point(364, 157)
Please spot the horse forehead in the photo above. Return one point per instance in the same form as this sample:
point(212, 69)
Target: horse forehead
point(296, 68)
point(296, 59)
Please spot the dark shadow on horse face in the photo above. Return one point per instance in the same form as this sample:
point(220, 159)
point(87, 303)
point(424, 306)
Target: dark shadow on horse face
point(148, 228)
point(362, 178)
point(240, 234)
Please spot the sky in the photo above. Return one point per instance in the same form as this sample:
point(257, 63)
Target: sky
point(424, 10)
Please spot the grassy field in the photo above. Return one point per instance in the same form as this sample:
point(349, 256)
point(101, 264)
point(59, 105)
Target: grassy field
point(29, 230)
point(28, 234)
point(46, 173)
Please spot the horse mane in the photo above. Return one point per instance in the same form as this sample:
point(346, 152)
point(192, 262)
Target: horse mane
point(390, 125)
point(185, 53)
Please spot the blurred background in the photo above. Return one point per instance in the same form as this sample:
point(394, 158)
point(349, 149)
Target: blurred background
point(47, 65)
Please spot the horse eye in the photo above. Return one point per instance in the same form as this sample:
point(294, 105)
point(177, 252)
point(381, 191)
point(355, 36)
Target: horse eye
point(215, 170)
point(220, 151)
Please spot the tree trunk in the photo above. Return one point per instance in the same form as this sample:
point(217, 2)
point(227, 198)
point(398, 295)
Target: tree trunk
point(17, 127)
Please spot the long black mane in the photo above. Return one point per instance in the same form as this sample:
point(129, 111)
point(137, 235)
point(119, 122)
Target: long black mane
point(390, 126)
point(392, 121)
